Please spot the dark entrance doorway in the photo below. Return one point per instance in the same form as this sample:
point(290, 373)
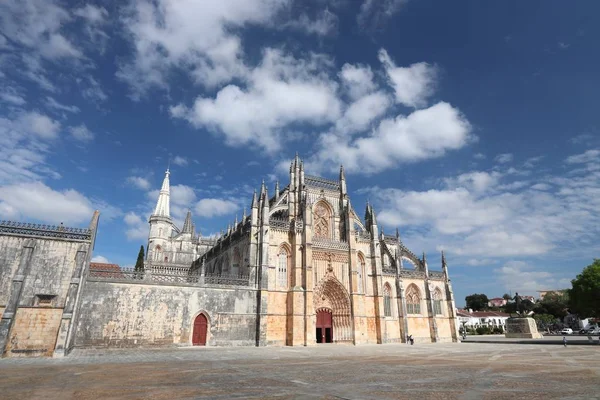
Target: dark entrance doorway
point(324, 327)
point(200, 328)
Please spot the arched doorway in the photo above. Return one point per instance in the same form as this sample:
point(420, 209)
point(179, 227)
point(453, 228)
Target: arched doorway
point(324, 332)
point(200, 329)
point(330, 295)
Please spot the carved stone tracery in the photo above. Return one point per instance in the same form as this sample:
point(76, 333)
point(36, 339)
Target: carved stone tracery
point(321, 217)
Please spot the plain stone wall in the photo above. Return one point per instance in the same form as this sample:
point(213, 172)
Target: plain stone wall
point(130, 314)
point(35, 327)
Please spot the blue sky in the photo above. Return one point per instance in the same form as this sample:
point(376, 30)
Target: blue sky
point(471, 126)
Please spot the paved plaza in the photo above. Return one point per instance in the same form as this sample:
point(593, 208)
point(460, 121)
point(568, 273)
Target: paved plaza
point(399, 371)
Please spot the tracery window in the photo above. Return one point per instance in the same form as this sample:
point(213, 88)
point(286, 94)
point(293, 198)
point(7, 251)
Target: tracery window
point(437, 302)
point(282, 274)
point(413, 300)
point(157, 252)
point(359, 274)
point(387, 300)
point(321, 221)
point(236, 261)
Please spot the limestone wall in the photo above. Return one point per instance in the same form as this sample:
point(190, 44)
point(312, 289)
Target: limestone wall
point(35, 297)
point(34, 332)
point(130, 314)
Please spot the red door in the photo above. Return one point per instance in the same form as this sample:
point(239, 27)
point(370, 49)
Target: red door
point(324, 332)
point(200, 327)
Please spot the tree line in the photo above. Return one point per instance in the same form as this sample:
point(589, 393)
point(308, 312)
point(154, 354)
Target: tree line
point(582, 299)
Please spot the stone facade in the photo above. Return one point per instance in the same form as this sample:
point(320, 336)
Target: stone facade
point(301, 269)
point(41, 276)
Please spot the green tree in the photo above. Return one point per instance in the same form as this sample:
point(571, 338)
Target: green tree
point(139, 264)
point(584, 296)
point(477, 302)
point(553, 303)
point(507, 297)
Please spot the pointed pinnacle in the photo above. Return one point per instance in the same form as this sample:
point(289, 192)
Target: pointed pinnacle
point(254, 200)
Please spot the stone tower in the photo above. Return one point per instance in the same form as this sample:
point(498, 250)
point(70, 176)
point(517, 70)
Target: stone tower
point(161, 224)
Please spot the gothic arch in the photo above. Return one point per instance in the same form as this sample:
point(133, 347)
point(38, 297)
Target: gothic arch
point(413, 299)
point(330, 294)
point(361, 269)
point(193, 319)
point(284, 255)
point(414, 262)
point(387, 300)
point(323, 219)
point(437, 301)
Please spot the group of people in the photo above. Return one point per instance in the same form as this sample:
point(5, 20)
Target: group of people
point(410, 339)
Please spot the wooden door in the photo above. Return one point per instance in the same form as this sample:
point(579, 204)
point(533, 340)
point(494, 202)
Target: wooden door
point(324, 332)
point(200, 328)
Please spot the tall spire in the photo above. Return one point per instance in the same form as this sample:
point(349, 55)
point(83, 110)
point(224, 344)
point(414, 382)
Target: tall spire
point(162, 205)
point(254, 201)
point(188, 226)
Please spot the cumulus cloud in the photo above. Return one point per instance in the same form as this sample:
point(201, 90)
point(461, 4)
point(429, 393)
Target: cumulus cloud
point(590, 155)
point(181, 161)
point(282, 90)
point(137, 228)
point(423, 134)
point(81, 133)
point(413, 85)
point(139, 182)
point(36, 24)
point(522, 277)
point(485, 214)
point(209, 208)
point(325, 23)
point(11, 96)
point(100, 259)
point(35, 200)
point(504, 158)
point(197, 37)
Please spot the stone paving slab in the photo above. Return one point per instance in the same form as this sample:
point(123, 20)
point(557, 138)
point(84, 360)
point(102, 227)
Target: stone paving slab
point(399, 371)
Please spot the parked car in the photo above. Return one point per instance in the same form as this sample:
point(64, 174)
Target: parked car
point(593, 331)
point(566, 331)
point(582, 331)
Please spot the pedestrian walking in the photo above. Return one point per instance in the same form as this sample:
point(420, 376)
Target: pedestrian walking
point(565, 341)
point(412, 341)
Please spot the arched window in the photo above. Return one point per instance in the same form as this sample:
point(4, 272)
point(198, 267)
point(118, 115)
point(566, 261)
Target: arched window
point(437, 302)
point(226, 266)
point(360, 268)
point(321, 221)
point(387, 300)
point(282, 274)
point(413, 300)
point(157, 252)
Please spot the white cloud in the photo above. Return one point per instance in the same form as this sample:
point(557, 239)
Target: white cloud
point(137, 228)
point(209, 208)
point(25, 140)
point(36, 24)
point(50, 102)
point(198, 37)
point(375, 13)
point(11, 96)
point(479, 156)
point(100, 259)
point(93, 91)
point(81, 133)
point(423, 134)
point(588, 156)
point(360, 114)
point(92, 14)
point(181, 161)
point(326, 23)
point(35, 200)
point(489, 214)
point(138, 182)
point(357, 80)
point(414, 84)
point(504, 158)
point(282, 90)
point(521, 277)
point(477, 181)
point(40, 125)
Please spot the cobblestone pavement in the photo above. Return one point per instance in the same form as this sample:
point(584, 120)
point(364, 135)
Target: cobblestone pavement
point(399, 371)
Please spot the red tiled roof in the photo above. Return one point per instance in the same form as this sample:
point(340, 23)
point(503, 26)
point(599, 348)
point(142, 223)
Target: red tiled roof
point(104, 270)
point(481, 314)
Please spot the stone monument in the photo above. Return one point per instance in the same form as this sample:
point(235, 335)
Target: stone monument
point(521, 325)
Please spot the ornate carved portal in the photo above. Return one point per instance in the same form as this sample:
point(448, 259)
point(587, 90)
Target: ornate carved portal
point(330, 296)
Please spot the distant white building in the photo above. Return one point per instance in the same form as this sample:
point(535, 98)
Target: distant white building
point(475, 319)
